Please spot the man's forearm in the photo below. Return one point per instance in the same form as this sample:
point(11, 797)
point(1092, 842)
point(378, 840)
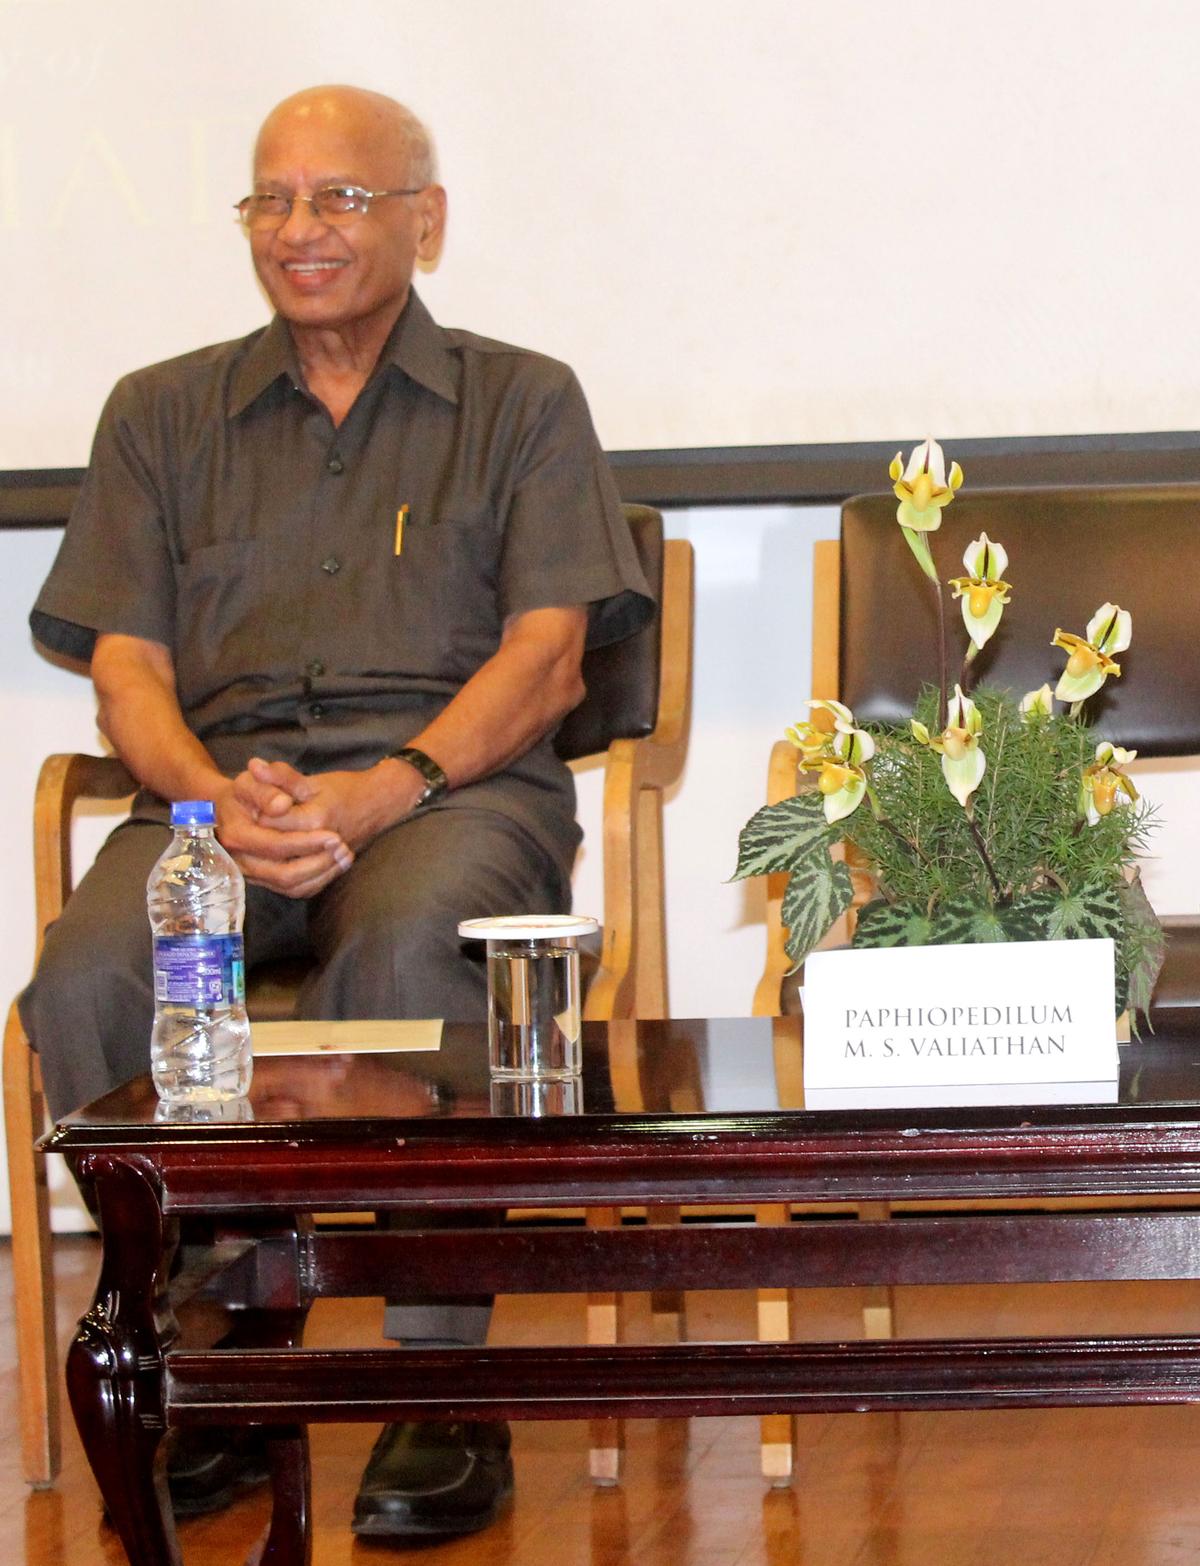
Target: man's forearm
point(522, 692)
point(519, 695)
point(140, 716)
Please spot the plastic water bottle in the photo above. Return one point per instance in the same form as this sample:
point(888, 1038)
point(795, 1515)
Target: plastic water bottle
point(200, 1045)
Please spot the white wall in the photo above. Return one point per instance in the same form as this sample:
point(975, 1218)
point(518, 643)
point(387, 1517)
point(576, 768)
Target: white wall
point(752, 678)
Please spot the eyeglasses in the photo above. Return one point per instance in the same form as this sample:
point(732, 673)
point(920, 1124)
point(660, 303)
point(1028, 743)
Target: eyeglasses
point(331, 204)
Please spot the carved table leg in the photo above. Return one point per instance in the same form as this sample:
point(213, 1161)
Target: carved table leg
point(114, 1367)
point(280, 1324)
point(289, 1538)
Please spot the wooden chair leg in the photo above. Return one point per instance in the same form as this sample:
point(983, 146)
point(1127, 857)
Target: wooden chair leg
point(879, 1306)
point(33, 1262)
point(607, 1436)
point(775, 1326)
point(668, 1307)
point(650, 949)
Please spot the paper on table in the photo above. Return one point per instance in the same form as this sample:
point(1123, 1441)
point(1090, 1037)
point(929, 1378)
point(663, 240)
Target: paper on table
point(344, 1038)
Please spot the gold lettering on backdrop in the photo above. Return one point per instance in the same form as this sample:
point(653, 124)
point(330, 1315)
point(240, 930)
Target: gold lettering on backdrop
point(204, 142)
point(99, 155)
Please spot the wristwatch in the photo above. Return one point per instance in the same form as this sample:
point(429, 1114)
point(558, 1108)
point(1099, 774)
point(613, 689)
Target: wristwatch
point(436, 781)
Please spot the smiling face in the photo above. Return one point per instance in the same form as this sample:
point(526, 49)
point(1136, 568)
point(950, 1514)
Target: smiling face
point(351, 275)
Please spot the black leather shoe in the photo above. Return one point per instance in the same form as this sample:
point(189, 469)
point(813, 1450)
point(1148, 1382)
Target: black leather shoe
point(206, 1469)
point(430, 1479)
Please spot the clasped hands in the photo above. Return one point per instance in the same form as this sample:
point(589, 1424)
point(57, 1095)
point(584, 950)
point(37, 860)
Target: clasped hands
point(294, 834)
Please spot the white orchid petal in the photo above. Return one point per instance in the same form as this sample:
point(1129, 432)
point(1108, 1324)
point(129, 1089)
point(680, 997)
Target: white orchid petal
point(862, 746)
point(964, 776)
point(845, 800)
point(853, 746)
point(1037, 703)
point(982, 627)
point(1072, 688)
point(920, 521)
point(963, 712)
point(1123, 634)
point(985, 561)
point(1117, 622)
point(916, 462)
point(839, 710)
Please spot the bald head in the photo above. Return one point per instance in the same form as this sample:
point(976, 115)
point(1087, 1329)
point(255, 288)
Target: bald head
point(347, 271)
point(394, 133)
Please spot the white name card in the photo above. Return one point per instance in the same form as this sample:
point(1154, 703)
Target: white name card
point(1028, 1022)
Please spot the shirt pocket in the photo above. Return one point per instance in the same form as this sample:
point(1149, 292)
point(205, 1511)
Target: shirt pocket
point(225, 619)
point(446, 579)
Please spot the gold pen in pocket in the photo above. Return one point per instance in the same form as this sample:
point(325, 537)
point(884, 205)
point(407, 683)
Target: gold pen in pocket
point(401, 518)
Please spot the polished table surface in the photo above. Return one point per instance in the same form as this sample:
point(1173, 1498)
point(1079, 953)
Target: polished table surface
point(682, 1100)
point(666, 1112)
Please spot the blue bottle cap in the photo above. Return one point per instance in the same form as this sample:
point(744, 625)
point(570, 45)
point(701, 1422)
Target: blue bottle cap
point(193, 812)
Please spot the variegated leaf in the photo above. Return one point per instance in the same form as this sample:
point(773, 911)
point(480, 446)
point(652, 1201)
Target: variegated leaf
point(1022, 920)
point(959, 922)
point(1091, 913)
point(1144, 945)
point(892, 924)
point(818, 891)
point(778, 837)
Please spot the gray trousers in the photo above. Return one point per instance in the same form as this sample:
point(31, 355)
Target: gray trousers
point(383, 940)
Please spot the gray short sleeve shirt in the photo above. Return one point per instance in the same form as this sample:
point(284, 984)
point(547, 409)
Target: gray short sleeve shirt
point(325, 591)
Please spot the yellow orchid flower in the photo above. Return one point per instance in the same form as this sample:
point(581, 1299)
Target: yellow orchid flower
point(963, 762)
point(923, 487)
point(1104, 783)
point(982, 591)
point(1109, 631)
point(1037, 704)
point(814, 739)
point(842, 781)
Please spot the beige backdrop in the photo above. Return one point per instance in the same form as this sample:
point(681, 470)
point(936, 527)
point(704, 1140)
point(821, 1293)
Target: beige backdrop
point(781, 222)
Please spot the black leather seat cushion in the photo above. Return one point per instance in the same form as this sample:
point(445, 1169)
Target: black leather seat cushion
point(1070, 550)
point(622, 678)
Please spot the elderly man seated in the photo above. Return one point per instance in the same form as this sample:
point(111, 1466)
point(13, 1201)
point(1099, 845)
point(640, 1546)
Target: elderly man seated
point(337, 576)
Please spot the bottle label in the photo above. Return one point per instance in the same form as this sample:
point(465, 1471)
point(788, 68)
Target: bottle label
point(199, 970)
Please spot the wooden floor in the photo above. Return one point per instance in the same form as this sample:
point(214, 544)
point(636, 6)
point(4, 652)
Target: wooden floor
point(1096, 1487)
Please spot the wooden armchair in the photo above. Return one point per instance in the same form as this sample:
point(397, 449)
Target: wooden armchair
point(1070, 551)
point(873, 647)
point(635, 714)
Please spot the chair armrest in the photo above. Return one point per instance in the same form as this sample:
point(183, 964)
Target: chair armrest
point(658, 758)
point(781, 784)
point(64, 780)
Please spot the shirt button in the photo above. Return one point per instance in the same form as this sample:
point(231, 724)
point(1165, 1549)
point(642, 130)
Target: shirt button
point(316, 711)
point(315, 669)
point(336, 465)
point(331, 564)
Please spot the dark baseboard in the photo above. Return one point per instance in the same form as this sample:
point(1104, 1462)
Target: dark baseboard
point(779, 475)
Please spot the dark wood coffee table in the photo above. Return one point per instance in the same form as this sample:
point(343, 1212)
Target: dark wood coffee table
point(672, 1112)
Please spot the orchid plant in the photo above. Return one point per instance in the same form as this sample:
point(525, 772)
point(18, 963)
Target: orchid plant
point(986, 818)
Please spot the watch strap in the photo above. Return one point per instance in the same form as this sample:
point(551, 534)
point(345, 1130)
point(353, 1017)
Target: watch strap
point(436, 781)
